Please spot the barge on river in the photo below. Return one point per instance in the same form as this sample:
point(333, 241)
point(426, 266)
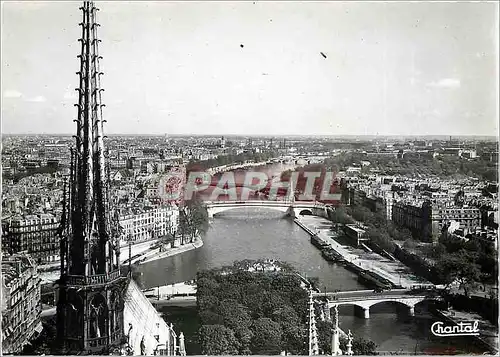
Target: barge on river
point(332, 256)
point(368, 277)
point(318, 242)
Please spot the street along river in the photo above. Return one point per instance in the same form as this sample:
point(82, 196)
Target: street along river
point(250, 233)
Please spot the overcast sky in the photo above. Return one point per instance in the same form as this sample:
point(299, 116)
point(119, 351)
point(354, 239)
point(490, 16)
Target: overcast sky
point(179, 68)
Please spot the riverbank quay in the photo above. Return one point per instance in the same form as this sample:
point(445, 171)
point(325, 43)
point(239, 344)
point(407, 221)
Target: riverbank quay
point(183, 288)
point(137, 249)
point(488, 333)
point(226, 168)
point(179, 294)
point(141, 253)
point(157, 253)
point(357, 259)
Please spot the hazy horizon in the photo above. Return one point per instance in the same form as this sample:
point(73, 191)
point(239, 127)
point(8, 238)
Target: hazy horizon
point(327, 69)
point(264, 136)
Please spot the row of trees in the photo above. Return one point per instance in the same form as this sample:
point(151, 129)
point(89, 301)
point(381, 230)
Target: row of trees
point(413, 164)
point(381, 232)
point(251, 313)
point(230, 159)
point(469, 263)
point(193, 222)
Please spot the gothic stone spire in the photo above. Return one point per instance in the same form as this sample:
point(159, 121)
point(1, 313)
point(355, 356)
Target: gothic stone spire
point(90, 250)
point(90, 305)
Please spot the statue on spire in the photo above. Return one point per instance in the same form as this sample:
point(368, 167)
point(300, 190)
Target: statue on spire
point(336, 351)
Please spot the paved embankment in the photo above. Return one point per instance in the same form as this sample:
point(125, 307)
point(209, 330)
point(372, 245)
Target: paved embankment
point(156, 254)
point(179, 294)
point(488, 334)
point(141, 253)
point(359, 259)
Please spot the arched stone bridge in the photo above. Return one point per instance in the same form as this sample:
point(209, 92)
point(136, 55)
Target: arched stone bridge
point(364, 299)
point(292, 208)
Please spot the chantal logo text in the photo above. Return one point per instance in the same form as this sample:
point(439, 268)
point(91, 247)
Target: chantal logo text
point(461, 329)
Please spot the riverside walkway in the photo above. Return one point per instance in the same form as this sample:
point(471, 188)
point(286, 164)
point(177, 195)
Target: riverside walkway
point(179, 294)
point(394, 271)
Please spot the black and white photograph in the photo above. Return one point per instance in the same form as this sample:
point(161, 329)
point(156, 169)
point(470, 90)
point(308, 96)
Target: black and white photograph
point(274, 178)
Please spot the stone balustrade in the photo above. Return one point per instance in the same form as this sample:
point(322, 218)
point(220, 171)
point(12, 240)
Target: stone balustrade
point(98, 279)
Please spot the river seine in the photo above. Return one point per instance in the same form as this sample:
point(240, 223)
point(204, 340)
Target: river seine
point(250, 233)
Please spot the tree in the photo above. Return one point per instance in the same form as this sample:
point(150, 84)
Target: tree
point(381, 239)
point(209, 317)
point(272, 305)
point(361, 214)
point(293, 337)
point(217, 340)
point(360, 346)
point(198, 216)
point(403, 234)
point(184, 225)
point(266, 338)
point(325, 331)
point(193, 220)
point(433, 251)
point(236, 317)
point(460, 267)
point(166, 240)
point(340, 216)
point(409, 244)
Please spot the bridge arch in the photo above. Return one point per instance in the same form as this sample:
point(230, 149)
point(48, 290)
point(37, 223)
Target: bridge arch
point(212, 211)
point(363, 306)
point(305, 212)
point(290, 208)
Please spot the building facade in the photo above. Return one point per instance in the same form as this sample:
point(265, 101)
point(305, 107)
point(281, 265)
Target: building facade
point(21, 304)
point(149, 223)
point(34, 234)
point(427, 220)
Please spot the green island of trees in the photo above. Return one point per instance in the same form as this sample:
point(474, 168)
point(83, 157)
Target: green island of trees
point(259, 312)
point(245, 312)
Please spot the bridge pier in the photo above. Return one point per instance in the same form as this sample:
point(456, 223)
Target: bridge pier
point(411, 310)
point(366, 312)
point(363, 312)
point(326, 312)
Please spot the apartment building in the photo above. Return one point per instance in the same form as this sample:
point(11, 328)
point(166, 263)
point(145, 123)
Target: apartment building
point(427, 219)
point(149, 222)
point(33, 234)
point(21, 304)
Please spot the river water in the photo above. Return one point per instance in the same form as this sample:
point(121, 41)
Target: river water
point(250, 233)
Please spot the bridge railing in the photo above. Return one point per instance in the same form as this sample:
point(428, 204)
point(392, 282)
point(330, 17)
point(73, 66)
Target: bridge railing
point(266, 202)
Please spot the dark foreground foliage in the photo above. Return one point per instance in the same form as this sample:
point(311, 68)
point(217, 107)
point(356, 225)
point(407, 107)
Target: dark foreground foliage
point(244, 312)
